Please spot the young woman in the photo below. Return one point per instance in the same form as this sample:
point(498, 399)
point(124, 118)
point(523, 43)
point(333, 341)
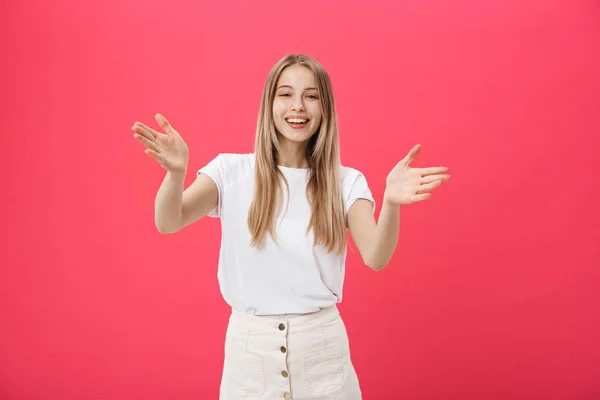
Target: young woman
point(285, 210)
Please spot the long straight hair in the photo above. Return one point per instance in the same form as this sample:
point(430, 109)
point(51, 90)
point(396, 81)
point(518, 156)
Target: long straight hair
point(324, 188)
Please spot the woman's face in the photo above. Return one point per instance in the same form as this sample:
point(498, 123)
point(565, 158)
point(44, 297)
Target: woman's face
point(296, 106)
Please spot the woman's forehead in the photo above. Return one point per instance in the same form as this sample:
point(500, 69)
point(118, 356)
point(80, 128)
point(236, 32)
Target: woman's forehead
point(297, 76)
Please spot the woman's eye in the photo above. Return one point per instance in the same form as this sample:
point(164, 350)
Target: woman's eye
point(284, 94)
point(312, 96)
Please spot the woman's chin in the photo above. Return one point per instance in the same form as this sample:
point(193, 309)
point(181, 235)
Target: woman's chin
point(297, 136)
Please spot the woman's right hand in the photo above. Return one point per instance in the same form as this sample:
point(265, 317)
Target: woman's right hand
point(168, 149)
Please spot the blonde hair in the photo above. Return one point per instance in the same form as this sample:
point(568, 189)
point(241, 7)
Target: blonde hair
point(324, 188)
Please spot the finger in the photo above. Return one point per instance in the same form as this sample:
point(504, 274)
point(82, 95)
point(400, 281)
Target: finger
point(158, 157)
point(432, 170)
point(164, 124)
point(420, 197)
point(138, 130)
point(428, 187)
point(144, 140)
point(433, 178)
point(412, 154)
point(144, 130)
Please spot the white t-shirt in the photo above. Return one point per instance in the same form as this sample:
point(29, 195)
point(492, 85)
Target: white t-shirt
point(293, 276)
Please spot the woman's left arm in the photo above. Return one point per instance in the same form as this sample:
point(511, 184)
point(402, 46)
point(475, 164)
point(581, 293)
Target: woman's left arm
point(377, 242)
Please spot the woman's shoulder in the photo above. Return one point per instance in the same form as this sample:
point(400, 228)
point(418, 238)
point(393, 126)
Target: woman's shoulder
point(355, 186)
point(229, 168)
point(237, 163)
point(353, 179)
point(350, 172)
point(236, 158)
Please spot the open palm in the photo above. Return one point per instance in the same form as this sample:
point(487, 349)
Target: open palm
point(405, 184)
point(168, 149)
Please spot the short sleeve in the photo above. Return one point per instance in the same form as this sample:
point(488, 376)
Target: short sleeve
point(355, 187)
point(227, 170)
point(215, 170)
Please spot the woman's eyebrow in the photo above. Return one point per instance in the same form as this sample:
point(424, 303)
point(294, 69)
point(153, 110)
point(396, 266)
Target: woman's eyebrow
point(305, 89)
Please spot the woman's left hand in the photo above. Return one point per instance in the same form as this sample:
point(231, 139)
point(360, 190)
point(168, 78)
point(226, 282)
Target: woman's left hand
point(405, 185)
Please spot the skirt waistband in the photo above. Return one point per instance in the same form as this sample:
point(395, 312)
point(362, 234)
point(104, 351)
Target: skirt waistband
point(299, 323)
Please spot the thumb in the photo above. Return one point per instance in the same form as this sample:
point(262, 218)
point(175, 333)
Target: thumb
point(164, 124)
point(412, 154)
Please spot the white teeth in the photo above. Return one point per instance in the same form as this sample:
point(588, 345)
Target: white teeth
point(296, 120)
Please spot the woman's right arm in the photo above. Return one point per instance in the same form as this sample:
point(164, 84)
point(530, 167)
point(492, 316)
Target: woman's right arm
point(176, 208)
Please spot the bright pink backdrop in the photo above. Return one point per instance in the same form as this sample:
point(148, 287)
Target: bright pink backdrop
point(493, 292)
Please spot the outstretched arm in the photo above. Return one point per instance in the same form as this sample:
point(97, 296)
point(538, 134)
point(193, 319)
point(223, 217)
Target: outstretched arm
point(377, 242)
point(174, 207)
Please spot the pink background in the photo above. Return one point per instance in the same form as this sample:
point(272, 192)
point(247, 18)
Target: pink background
point(494, 290)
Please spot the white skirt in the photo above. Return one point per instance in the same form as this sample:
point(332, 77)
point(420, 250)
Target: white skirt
point(303, 357)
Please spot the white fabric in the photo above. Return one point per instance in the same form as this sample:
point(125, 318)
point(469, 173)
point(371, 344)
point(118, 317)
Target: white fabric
point(290, 277)
point(301, 358)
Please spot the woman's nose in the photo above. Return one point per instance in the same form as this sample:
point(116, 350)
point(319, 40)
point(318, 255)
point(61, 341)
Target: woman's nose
point(297, 105)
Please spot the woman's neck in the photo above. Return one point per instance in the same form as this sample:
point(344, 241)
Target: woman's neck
point(292, 155)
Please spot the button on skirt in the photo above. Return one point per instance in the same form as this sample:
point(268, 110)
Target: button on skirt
point(301, 358)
